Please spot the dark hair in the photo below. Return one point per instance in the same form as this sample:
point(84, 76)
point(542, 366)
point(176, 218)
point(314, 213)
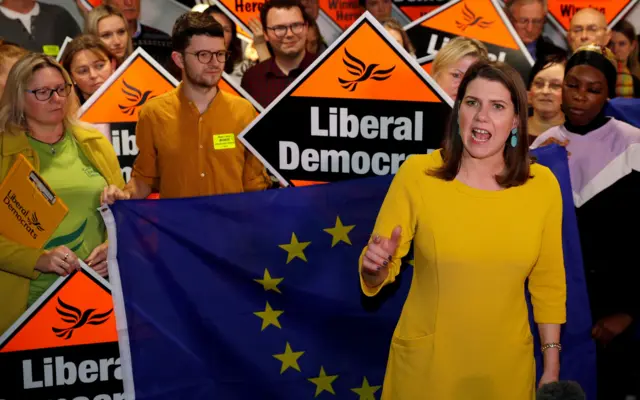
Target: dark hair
point(192, 24)
point(517, 160)
point(629, 32)
point(269, 4)
point(235, 47)
point(543, 63)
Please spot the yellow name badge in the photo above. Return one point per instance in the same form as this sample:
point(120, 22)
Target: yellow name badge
point(51, 50)
point(224, 141)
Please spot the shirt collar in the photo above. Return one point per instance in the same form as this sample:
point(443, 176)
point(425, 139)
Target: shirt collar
point(276, 71)
point(138, 30)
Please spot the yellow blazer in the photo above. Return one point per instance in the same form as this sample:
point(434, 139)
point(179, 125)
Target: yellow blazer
point(17, 262)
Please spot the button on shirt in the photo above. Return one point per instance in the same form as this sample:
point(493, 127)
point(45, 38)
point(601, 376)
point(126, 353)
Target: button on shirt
point(185, 154)
point(265, 81)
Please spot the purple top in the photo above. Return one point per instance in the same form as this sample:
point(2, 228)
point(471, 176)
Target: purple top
point(598, 159)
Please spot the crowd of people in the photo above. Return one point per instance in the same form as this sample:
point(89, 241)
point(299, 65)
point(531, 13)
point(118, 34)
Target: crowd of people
point(506, 227)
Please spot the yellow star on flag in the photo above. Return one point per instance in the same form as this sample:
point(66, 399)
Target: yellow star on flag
point(323, 382)
point(289, 359)
point(339, 232)
point(366, 392)
point(412, 262)
point(295, 249)
point(269, 317)
point(269, 283)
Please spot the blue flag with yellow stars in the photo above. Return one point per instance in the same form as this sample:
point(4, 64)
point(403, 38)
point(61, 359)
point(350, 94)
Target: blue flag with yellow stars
point(254, 296)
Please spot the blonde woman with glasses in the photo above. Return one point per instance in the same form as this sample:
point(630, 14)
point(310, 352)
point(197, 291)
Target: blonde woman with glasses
point(109, 24)
point(453, 60)
point(76, 161)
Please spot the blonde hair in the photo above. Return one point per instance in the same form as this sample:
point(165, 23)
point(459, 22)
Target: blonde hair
point(457, 49)
point(12, 102)
point(393, 24)
point(9, 51)
point(97, 14)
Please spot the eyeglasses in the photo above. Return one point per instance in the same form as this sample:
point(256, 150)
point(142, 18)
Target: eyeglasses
point(554, 86)
point(281, 30)
point(526, 21)
point(593, 29)
point(205, 56)
point(44, 94)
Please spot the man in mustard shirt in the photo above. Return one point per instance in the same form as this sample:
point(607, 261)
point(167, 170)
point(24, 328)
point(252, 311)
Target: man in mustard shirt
point(188, 137)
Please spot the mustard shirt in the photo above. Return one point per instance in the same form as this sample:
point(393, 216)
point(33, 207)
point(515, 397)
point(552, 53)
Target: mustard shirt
point(185, 154)
point(464, 330)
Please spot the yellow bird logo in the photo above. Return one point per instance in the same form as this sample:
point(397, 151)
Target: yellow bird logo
point(472, 20)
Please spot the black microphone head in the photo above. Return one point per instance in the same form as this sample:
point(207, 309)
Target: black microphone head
point(561, 390)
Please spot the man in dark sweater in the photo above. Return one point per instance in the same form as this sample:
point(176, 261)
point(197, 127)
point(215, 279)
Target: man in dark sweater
point(36, 26)
point(528, 18)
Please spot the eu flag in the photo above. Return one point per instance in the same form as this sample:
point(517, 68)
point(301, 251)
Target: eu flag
point(254, 296)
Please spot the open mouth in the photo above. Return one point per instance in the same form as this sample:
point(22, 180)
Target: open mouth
point(480, 135)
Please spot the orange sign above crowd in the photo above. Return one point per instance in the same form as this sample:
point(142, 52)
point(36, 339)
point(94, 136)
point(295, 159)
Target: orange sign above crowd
point(360, 109)
point(65, 346)
point(414, 9)
point(342, 12)
point(483, 20)
point(562, 11)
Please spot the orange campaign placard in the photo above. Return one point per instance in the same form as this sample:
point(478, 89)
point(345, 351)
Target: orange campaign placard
point(120, 99)
point(65, 345)
point(342, 12)
point(414, 9)
point(243, 10)
point(360, 109)
point(483, 20)
point(30, 211)
point(562, 11)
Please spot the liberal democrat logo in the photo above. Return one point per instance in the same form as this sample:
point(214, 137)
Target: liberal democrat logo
point(77, 318)
point(363, 72)
point(471, 20)
point(28, 220)
point(135, 96)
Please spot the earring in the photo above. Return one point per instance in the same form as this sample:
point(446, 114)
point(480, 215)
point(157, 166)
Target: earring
point(514, 137)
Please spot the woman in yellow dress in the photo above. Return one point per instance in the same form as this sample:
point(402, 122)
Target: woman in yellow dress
point(483, 220)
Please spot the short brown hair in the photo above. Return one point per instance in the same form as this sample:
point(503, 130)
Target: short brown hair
point(84, 42)
point(192, 24)
point(517, 160)
point(286, 4)
point(9, 51)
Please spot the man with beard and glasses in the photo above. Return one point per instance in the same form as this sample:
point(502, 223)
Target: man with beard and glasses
point(187, 137)
point(285, 25)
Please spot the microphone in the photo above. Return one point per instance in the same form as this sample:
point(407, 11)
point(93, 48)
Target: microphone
point(561, 390)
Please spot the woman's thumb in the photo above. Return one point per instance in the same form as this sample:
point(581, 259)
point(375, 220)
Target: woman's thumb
point(395, 236)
